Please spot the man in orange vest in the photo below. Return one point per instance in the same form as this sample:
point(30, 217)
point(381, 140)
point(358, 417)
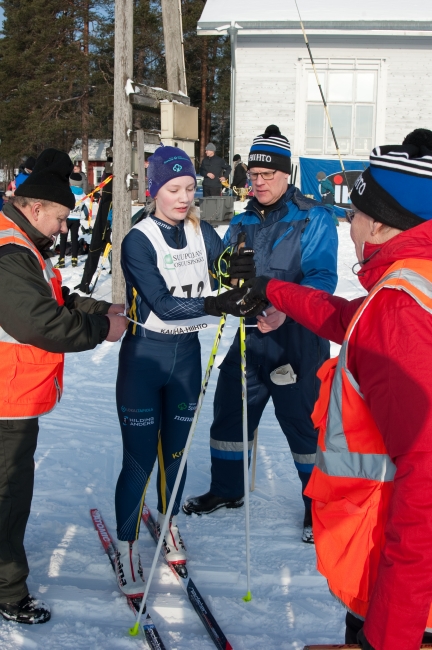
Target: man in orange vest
point(372, 482)
point(39, 322)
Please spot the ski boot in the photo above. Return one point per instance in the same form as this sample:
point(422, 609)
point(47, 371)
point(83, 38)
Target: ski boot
point(308, 537)
point(29, 610)
point(207, 503)
point(60, 264)
point(74, 262)
point(174, 548)
point(129, 570)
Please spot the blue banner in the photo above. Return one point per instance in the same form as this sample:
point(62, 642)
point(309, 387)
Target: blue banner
point(325, 181)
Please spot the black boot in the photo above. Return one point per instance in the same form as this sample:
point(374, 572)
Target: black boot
point(83, 287)
point(60, 264)
point(307, 536)
point(28, 610)
point(207, 503)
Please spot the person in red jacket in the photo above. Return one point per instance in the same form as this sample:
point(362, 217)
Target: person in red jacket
point(375, 407)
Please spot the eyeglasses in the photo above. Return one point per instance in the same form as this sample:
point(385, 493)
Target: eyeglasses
point(266, 176)
point(350, 214)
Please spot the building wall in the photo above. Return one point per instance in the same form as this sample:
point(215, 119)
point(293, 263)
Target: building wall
point(268, 83)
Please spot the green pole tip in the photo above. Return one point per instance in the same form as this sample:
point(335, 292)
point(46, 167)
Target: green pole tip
point(134, 631)
point(248, 597)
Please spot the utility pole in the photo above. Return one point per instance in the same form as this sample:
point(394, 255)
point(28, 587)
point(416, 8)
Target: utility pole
point(174, 50)
point(85, 99)
point(123, 70)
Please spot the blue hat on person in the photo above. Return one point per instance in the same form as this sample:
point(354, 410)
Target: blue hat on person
point(396, 188)
point(271, 150)
point(165, 164)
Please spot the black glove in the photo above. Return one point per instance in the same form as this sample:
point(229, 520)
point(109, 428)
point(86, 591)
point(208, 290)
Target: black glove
point(226, 303)
point(363, 642)
point(255, 294)
point(238, 265)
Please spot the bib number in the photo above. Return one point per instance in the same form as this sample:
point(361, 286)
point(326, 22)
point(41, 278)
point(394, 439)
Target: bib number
point(187, 289)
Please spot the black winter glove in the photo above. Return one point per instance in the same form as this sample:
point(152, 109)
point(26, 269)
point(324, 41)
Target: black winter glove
point(226, 303)
point(255, 294)
point(240, 265)
point(363, 642)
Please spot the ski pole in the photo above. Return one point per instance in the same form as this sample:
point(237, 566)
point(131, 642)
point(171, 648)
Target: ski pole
point(133, 631)
point(108, 247)
point(248, 595)
point(254, 460)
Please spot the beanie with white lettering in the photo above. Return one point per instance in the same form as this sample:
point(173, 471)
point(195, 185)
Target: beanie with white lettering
point(271, 150)
point(396, 188)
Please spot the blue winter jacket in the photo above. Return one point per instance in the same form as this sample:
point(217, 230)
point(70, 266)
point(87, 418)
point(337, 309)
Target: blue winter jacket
point(297, 242)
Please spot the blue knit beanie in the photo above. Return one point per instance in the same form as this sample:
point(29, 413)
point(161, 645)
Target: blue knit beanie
point(165, 164)
point(271, 150)
point(396, 188)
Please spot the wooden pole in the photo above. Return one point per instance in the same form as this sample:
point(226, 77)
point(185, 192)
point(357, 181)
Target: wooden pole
point(174, 51)
point(123, 70)
point(141, 166)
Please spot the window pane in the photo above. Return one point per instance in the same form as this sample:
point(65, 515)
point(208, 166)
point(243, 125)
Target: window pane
point(340, 87)
point(314, 129)
point(313, 93)
point(364, 128)
point(365, 86)
point(341, 117)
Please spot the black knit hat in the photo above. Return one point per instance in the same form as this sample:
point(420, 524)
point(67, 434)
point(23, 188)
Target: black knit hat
point(49, 179)
point(271, 150)
point(30, 163)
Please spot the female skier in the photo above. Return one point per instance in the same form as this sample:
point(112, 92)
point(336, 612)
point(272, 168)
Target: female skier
point(165, 259)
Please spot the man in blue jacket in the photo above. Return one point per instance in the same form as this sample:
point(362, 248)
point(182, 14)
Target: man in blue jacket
point(294, 239)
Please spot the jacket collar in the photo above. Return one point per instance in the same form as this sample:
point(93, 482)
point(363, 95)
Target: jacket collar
point(42, 243)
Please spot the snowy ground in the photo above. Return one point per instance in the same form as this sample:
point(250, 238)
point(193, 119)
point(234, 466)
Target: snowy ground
point(77, 463)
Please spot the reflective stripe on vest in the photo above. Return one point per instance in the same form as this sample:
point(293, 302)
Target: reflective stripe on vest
point(352, 482)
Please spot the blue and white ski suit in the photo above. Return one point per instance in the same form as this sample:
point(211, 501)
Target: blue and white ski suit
point(297, 242)
point(159, 375)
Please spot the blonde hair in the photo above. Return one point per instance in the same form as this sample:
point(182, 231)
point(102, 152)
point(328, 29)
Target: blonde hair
point(27, 201)
point(193, 214)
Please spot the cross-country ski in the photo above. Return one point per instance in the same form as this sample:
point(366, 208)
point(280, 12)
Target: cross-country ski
point(149, 629)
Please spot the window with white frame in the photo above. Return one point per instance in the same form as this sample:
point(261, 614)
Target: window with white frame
point(97, 174)
point(350, 90)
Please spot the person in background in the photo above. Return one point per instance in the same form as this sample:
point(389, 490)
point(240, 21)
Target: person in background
point(240, 172)
point(73, 222)
point(77, 170)
point(294, 238)
point(28, 168)
point(39, 321)
point(372, 482)
point(214, 171)
point(327, 190)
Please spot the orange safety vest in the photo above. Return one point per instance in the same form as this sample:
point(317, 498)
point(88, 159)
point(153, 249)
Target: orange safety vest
point(352, 481)
point(31, 379)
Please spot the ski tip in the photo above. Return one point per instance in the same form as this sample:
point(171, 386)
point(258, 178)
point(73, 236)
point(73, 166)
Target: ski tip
point(134, 631)
point(248, 597)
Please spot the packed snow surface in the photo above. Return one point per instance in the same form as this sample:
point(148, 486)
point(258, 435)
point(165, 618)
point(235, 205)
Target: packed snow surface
point(77, 464)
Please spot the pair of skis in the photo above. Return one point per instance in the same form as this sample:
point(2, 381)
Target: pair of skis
point(152, 636)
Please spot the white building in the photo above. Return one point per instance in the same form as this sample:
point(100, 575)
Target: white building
point(374, 61)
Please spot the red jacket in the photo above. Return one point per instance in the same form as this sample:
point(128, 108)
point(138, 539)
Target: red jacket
point(390, 357)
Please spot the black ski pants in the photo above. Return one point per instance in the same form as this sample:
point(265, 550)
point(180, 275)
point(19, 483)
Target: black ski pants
point(73, 227)
point(211, 191)
point(18, 439)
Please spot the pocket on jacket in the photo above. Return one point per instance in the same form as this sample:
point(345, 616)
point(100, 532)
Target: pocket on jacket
point(35, 374)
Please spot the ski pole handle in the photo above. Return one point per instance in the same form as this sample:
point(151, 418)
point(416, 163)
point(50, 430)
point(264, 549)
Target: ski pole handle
point(241, 243)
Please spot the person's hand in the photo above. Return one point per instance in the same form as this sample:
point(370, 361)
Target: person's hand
point(255, 294)
point(239, 265)
point(230, 302)
point(116, 309)
point(210, 175)
point(272, 321)
point(118, 325)
point(222, 179)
